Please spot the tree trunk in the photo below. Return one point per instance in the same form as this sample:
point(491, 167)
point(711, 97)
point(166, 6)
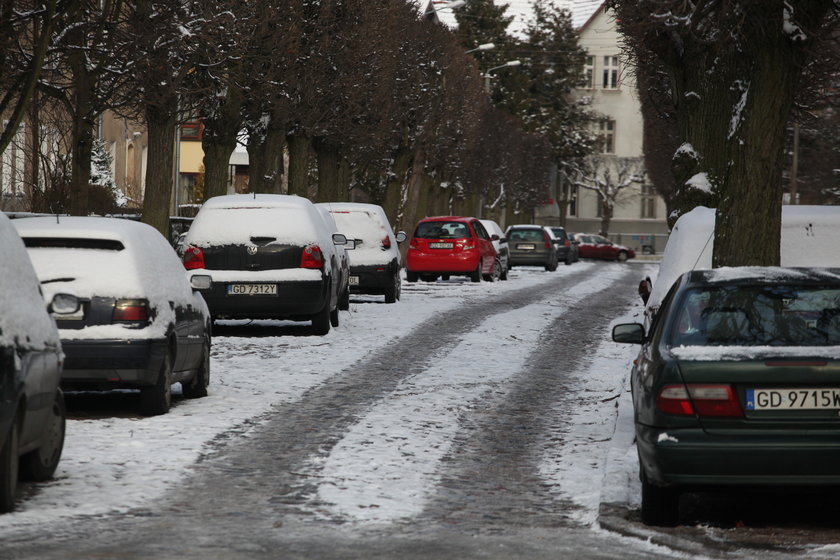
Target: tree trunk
point(161, 123)
point(82, 132)
point(408, 214)
point(299, 148)
point(345, 178)
point(217, 165)
point(396, 182)
point(265, 161)
point(329, 160)
point(606, 217)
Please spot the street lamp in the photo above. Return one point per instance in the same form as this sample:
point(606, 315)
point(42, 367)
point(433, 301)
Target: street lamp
point(487, 74)
point(484, 47)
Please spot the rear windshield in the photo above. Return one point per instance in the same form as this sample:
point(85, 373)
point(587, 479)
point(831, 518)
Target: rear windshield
point(442, 230)
point(73, 243)
point(526, 235)
point(362, 225)
point(758, 316)
point(559, 234)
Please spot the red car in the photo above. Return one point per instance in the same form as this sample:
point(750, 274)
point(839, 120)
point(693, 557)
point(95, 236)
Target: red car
point(597, 247)
point(446, 246)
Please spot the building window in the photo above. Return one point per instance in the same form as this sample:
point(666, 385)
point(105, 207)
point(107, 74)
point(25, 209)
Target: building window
point(12, 164)
point(606, 134)
point(589, 72)
point(191, 130)
point(648, 201)
point(572, 197)
point(610, 75)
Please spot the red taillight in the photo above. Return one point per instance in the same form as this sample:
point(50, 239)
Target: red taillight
point(193, 258)
point(386, 242)
point(413, 244)
point(131, 311)
point(547, 241)
point(312, 257)
point(567, 243)
point(702, 400)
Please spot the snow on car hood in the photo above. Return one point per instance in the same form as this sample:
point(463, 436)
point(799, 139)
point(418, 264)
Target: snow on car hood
point(23, 315)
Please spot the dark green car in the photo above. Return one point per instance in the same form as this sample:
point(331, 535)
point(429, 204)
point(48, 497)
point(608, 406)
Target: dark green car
point(737, 384)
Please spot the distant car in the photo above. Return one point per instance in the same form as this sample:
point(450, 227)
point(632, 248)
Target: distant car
point(567, 249)
point(141, 325)
point(531, 245)
point(375, 259)
point(32, 414)
point(270, 256)
point(500, 243)
point(737, 383)
point(598, 247)
point(445, 246)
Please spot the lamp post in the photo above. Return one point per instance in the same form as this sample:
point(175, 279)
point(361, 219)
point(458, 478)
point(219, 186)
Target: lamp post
point(484, 47)
point(487, 74)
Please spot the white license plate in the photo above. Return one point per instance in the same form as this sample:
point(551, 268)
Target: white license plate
point(526, 246)
point(354, 280)
point(441, 245)
point(252, 289)
point(793, 399)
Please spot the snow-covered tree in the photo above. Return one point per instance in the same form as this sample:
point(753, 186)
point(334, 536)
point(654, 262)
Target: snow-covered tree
point(610, 178)
point(101, 172)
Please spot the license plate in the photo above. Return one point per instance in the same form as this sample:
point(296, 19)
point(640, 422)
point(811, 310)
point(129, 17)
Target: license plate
point(441, 245)
point(354, 280)
point(252, 289)
point(526, 246)
point(793, 399)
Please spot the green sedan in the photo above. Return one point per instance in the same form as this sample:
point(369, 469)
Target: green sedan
point(737, 384)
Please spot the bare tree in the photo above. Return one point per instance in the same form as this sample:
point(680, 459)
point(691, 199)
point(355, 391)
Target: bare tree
point(610, 178)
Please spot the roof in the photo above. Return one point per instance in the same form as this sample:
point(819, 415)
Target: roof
point(583, 11)
point(255, 199)
point(764, 275)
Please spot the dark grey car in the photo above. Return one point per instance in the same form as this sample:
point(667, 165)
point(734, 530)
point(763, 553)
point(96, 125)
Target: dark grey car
point(531, 245)
point(567, 248)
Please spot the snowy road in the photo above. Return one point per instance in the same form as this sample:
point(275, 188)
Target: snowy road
point(465, 421)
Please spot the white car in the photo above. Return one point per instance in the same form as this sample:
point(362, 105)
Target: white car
point(500, 243)
point(375, 259)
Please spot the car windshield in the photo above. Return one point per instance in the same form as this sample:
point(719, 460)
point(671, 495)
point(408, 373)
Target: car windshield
point(758, 316)
point(442, 230)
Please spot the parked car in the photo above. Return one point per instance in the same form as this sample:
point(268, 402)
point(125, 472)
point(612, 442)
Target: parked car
point(531, 245)
point(269, 256)
point(737, 384)
point(140, 324)
point(375, 259)
point(32, 413)
point(445, 246)
point(593, 246)
point(567, 248)
point(343, 260)
point(500, 243)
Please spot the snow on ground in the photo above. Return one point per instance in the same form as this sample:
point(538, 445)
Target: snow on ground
point(117, 464)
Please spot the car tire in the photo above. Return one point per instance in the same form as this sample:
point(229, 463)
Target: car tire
point(197, 388)
point(568, 259)
point(475, 275)
point(156, 399)
point(321, 321)
point(392, 291)
point(622, 256)
point(444, 277)
point(344, 300)
point(660, 505)
point(9, 464)
point(40, 464)
point(503, 275)
point(334, 319)
point(551, 266)
point(496, 273)
point(411, 276)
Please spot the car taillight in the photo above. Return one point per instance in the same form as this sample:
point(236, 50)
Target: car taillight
point(193, 258)
point(386, 242)
point(547, 241)
point(702, 400)
point(413, 244)
point(312, 257)
point(566, 243)
point(131, 311)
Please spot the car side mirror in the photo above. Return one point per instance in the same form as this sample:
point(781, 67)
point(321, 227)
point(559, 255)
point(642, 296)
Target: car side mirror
point(339, 239)
point(64, 304)
point(631, 333)
point(401, 236)
point(351, 244)
point(201, 282)
point(494, 237)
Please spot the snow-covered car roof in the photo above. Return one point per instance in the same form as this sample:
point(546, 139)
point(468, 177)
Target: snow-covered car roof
point(365, 222)
point(23, 314)
point(810, 236)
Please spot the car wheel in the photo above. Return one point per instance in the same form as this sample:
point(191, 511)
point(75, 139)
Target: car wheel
point(198, 387)
point(157, 399)
point(321, 321)
point(392, 292)
point(40, 464)
point(475, 275)
point(411, 276)
point(9, 463)
point(444, 277)
point(344, 300)
point(334, 317)
point(622, 256)
point(568, 259)
point(551, 266)
point(660, 506)
point(496, 273)
point(503, 272)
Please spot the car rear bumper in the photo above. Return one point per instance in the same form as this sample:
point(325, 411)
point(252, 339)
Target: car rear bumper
point(518, 258)
point(371, 279)
point(691, 457)
point(294, 300)
point(111, 363)
point(447, 263)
